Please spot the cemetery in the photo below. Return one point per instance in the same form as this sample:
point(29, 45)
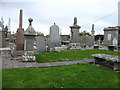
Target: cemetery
point(33, 60)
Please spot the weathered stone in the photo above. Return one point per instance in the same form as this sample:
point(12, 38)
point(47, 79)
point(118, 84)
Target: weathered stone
point(19, 35)
point(87, 41)
point(54, 40)
point(111, 47)
point(75, 46)
point(75, 32)
point(2, 39)
point(28, 56)
point(5, 53)
point(40, 43)
point(29, 37)
point(111, 36)
point(109, 61)
point(29, 43)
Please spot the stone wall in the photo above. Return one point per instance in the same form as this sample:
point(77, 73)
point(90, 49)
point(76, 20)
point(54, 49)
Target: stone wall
point(86, 40)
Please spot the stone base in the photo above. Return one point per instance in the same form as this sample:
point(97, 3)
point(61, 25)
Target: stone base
point(18, 53)
point(28, 56)
point(54, 44)
point(111, 48)
point(28, 59)
point(96, 47)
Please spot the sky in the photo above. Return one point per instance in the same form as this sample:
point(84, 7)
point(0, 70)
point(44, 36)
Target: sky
point(101, 13)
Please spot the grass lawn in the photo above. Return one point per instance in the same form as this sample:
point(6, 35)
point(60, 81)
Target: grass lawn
point(74, 76)
point(70, 55)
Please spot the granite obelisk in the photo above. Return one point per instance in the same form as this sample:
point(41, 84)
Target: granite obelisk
point(19, 34)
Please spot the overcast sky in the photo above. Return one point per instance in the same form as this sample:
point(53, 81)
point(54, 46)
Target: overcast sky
point(62, 12)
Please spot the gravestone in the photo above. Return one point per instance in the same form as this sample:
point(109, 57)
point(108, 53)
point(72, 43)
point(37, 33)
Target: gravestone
point(2, 34)
point(40, 43)
point(29, 37)
point(54, 40)
point(75, 32)
point(20, 35)
point(29, 43)
point(2, 38)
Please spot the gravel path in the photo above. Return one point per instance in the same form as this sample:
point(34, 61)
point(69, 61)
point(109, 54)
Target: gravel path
point(17, 64)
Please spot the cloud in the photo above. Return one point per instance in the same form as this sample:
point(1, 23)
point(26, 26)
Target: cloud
point(62, 12)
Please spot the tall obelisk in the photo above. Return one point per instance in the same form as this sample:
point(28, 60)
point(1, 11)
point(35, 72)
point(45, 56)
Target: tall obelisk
point(20, 35)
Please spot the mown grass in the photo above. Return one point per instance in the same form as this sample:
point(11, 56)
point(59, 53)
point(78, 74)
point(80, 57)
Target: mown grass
point(70, 55)
point(75, 76)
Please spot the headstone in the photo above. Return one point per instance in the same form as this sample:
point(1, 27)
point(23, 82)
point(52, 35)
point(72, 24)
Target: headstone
point(29, 37)
point(54, 40)
point(2, 38)
point(40, 43)
point(2, 34)
point(75, 32)
point(20, 35)
point(29, 43)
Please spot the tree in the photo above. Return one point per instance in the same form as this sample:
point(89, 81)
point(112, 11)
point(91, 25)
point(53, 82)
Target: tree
point(84, 33)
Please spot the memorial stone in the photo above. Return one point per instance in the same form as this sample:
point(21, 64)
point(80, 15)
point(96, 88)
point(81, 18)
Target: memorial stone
point(54, 40)
point(40, 43)
point(20, 35)
point(29, 37)
point(75, 32)
point(29, 43)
